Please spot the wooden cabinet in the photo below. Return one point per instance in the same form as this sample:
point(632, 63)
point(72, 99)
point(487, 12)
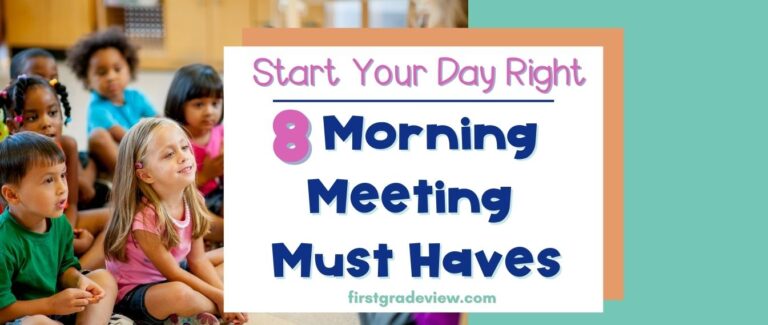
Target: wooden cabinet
point(51, 24)
point(187, 32)
point(195, 31)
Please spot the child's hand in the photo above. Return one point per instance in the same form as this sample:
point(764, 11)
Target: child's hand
point(69, 301)
point(92, 288)
point(83, 241)
point(235, 318)
point(230, 318)
point(213, 167)
point(220, 306)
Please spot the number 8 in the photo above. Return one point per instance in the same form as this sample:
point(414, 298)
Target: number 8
point(291, 131)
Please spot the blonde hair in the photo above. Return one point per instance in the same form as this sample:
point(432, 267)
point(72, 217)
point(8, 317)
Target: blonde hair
point(128, 192)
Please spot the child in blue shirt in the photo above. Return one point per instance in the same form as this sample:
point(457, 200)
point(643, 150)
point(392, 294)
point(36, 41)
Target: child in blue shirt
point(105, 62)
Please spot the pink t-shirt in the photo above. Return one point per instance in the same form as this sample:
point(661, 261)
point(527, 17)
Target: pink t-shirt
point(138, 269)
point(211, 149)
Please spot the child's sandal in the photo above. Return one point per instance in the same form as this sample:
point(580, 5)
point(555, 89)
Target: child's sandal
point(199, 319)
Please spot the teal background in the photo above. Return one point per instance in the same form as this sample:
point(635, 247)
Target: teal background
point(696, 115)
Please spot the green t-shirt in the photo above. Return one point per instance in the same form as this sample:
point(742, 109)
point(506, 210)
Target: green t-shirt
point(31, 263)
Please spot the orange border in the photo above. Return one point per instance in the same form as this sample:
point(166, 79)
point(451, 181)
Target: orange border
point(613, 97)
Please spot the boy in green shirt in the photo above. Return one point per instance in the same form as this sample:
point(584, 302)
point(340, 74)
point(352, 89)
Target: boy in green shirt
point(40, 281)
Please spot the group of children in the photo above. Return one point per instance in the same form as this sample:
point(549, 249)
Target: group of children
point(126, 261)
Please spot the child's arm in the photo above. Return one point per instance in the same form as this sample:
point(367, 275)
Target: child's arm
point(11, 308)
point(212, 168)
point(86, 177)
point(99, 118)
point(162, 259)
point(69, 146)
point(20, 309)
point(83, 239)
point(24, 308)
point(65, 302)
point(117, 132)
point(72, 278)
point(201, 266)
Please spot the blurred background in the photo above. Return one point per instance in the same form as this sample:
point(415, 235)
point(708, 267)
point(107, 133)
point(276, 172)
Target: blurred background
point(174, 33)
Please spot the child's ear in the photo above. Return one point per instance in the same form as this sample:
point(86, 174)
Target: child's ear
point(9, 194)
point(144, 176)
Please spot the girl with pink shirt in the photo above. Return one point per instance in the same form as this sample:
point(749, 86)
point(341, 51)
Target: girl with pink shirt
point(195, 101)
point(154, 242)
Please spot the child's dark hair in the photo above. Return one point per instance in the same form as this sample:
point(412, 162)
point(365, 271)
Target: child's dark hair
point(79, 56)
point(21, 58)
point(20, 151)
point(192, 82)
point(12, 98)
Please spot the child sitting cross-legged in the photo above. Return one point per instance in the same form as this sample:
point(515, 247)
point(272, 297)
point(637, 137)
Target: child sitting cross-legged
point(40, 281)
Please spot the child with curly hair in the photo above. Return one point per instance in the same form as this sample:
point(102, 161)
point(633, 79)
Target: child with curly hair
point(105, 62)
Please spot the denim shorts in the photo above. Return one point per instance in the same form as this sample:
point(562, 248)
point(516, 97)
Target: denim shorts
point(133, 305)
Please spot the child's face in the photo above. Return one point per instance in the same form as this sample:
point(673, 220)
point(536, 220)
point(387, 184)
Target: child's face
point(108, 73)
point(169, 164)
point(42, 112)
point(43, 67)
point(42, 192)
point(202, 114)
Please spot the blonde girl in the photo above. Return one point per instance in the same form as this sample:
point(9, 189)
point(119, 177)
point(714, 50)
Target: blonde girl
point(154, 242)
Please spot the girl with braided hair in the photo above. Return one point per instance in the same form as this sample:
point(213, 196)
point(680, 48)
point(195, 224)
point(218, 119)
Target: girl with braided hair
point(39, 62)
point(34, 104)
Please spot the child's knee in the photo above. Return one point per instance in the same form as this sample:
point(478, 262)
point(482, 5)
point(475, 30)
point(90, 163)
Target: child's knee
point(182, 291)
point(38, 320)
point(99, 138)
point(105, 280)
point(195, 301)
